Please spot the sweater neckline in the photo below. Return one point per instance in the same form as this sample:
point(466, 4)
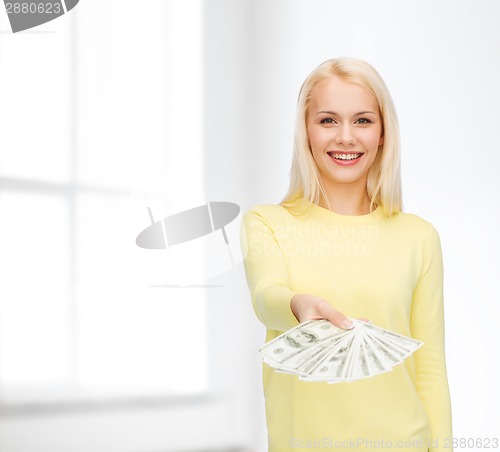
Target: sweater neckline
point(330, 214)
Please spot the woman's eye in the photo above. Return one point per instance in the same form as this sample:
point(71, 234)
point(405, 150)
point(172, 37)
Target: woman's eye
point(327, 121)
point(364, 121)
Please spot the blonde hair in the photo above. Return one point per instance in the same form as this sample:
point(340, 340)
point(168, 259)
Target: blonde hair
point(384, 176)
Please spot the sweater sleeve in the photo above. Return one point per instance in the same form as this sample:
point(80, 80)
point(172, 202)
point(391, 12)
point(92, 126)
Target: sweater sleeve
point(266, 272)
point(427, 325)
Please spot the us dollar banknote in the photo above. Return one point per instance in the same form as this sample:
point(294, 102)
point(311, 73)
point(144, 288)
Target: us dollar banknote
point(317, 350)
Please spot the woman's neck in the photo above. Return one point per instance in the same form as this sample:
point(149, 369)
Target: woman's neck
point(346, 200)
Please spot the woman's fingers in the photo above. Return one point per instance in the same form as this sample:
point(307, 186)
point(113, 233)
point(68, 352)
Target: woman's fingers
point(309, 307)
point(334, 316)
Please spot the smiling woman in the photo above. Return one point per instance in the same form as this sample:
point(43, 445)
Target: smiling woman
point(339, 103)
point(344, 128)
point(345, 174)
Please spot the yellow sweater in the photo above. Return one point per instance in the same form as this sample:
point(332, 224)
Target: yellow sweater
point(388, 270)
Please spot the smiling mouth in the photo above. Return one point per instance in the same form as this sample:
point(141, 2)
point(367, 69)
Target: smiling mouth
point(345, 156)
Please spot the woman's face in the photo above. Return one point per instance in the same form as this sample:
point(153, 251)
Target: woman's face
point(344, 129)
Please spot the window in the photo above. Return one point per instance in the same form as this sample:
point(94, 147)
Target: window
point(100, 118)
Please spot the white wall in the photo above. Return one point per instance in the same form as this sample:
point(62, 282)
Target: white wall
point(235, 333)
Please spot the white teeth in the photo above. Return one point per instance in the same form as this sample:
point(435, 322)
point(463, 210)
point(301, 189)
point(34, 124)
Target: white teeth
point(346, 156)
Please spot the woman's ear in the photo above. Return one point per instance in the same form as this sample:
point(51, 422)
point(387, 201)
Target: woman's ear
point(381, 141)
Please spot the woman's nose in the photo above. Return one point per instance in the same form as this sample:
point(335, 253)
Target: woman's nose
point(345, 136)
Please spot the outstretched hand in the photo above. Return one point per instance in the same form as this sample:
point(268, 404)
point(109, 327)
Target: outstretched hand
point(309, 307)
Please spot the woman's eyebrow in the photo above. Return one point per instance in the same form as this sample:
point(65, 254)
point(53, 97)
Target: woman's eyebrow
point(334, 113)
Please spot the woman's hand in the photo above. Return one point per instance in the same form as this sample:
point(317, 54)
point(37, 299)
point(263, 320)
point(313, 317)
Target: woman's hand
point(309, 307)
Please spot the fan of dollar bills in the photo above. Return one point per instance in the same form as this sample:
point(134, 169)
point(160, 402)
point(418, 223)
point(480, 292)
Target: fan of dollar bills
point(317, 350)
